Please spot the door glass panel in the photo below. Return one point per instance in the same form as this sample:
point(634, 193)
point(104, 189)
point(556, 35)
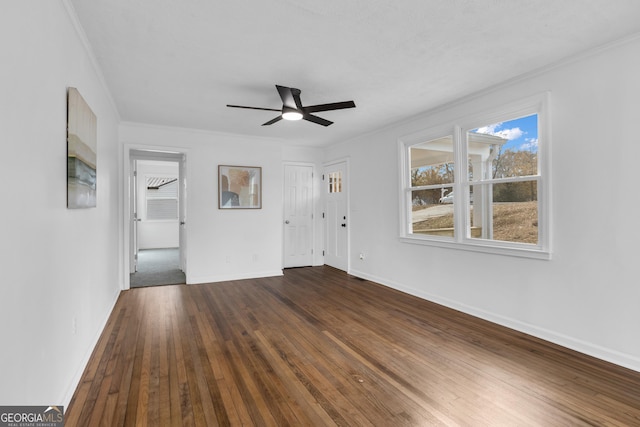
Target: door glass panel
point(335, 182)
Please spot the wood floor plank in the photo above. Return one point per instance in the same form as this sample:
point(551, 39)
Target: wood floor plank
point(175, 403)
point(231, 401)
point(139, 370)
point(208, 388)
point(319, 347)
point(163, 382)
point(184, 408)
point(104, 352)
point(300, 396)
point(251, 392)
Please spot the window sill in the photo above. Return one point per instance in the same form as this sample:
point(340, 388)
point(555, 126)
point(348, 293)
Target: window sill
point(497, 248)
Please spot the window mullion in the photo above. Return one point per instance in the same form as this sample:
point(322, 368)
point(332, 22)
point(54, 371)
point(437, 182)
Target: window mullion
point(429, 187)
point(510, 179)
point(460, 179)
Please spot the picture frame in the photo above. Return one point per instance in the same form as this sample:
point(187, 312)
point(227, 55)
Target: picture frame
point(239, 187)
point(81, 152)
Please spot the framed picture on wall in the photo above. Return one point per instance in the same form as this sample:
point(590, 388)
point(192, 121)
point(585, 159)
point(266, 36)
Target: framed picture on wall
point(81, 152)
point(239, 187)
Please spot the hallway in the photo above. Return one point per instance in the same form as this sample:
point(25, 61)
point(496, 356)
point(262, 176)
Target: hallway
point(158, 267)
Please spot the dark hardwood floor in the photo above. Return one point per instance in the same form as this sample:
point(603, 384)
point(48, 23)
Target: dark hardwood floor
point(318, 347)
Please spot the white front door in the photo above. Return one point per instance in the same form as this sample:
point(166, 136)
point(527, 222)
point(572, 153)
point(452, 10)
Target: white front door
point(336, 220)
point(298, 216)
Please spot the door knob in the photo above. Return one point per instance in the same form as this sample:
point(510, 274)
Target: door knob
point(344, 225)
point(286, 222)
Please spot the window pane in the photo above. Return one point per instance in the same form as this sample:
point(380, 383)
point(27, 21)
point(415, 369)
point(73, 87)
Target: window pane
point(432, 162)
point(506, 212)
point(162, 209)
point(503, 150)
point(335, 182)
point(429, 216)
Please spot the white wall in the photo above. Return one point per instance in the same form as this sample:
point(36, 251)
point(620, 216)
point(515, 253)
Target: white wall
point(59, 266)
point(588, 296)
point(157, 233)
point(222, 244)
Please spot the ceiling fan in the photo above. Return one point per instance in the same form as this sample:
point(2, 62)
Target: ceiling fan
point(292, 108)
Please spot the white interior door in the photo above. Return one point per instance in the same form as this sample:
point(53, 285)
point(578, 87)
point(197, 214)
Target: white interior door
point(133, 261)
point(182, 211)
point(298, 216)
point(336, 220)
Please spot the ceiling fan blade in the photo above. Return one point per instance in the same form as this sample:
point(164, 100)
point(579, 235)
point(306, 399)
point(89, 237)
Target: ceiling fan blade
point(286, 94)
point(253, 108)
point(317, 120)
point(329, 107)
point(291, 103)
point(272, 121)
point(296, 98)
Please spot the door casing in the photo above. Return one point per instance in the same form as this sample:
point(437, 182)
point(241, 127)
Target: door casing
point(142, 152)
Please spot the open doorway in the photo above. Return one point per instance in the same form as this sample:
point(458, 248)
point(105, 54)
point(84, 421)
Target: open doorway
point(157, 213)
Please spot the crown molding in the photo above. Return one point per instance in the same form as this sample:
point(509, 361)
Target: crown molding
point(82, 36)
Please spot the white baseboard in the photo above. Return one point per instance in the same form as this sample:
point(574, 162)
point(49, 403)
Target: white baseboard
point(236, 276)
point(75, 381)
point(603, 353)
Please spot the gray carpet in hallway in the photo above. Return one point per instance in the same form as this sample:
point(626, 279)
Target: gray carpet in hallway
point(158, 267)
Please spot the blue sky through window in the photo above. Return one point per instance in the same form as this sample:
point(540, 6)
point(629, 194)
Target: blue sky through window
point(522, 133)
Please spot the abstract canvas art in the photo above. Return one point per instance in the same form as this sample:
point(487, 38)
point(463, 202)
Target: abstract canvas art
point(81, 152)
point(240, 187)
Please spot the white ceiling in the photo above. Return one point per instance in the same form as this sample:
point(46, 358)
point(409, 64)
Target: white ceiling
point(178, 63)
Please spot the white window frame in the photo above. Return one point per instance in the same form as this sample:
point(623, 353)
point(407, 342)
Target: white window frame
point(538, 104)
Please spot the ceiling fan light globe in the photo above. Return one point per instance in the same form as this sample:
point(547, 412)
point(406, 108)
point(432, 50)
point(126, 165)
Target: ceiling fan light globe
point(292, 115)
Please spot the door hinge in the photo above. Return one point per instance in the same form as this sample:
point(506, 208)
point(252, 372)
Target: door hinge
point(323, 177)
point(323, 215)
point(322, 253)
point(135, 173)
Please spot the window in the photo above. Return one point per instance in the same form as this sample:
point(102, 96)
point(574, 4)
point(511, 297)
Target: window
point(480, 184)
point(162, 198)
point(503, 175)
point(432, 178)
point(335, 182)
